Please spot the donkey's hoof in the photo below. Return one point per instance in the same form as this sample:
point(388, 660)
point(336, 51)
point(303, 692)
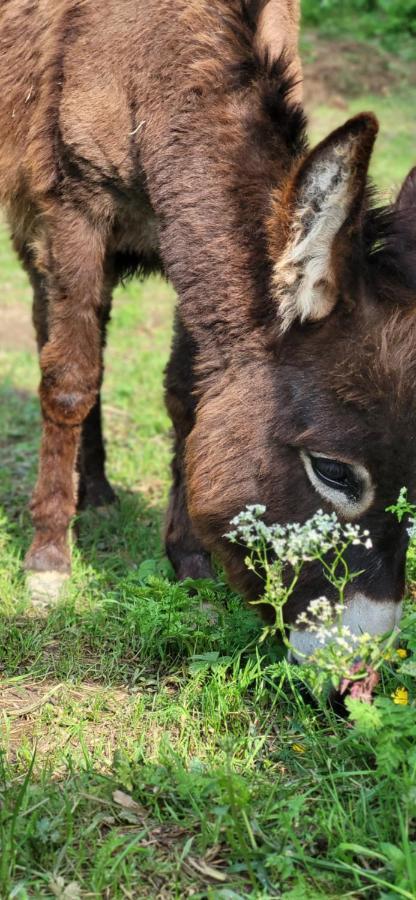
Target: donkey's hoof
point(195, 566)
point(46, 588)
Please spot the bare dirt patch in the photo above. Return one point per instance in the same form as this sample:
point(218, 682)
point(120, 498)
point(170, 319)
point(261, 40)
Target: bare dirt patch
point(335, 70)
point(47, 712)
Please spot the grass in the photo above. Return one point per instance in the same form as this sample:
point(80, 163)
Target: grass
point(147, 750)
point(394, 150)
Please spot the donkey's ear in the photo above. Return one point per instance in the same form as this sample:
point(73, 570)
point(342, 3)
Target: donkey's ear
point(326, 192)
point(406, 198)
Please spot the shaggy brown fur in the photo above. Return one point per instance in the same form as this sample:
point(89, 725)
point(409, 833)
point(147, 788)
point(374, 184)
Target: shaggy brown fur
point(169, 135)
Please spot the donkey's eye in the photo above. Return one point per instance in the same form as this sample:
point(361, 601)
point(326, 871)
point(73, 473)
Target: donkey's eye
point(348, 487)
point(337, 475)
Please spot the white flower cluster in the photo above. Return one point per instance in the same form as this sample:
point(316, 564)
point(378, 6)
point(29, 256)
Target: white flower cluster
point(322, 537)
point(295, 543)
point(337, 649)
point(324, 619)
point(320, 608)
point(412, 529)
point(249, 527)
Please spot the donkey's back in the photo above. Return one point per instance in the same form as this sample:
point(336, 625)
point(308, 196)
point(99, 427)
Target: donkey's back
point(69, 85)
point(83, 77)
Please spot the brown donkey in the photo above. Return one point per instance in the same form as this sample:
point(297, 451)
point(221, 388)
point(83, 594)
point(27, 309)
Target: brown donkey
point(168, 135)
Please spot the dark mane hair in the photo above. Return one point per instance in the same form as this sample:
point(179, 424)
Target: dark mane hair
point(389, 238)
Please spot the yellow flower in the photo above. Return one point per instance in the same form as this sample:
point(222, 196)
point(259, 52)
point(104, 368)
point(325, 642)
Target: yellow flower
point(298, 748)
point(401, 652)
point(401, 696)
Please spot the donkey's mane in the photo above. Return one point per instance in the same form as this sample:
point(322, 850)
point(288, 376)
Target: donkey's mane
point(390, 253)
point(228, 60)
point(227, 63)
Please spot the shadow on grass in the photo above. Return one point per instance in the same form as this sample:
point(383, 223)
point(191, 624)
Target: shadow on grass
point(123, 616)
point(19, 442)
point(131, 529)
point(121, 535)
point(141, 629)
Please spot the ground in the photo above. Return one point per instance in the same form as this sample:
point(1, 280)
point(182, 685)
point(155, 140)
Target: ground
point(149, 750)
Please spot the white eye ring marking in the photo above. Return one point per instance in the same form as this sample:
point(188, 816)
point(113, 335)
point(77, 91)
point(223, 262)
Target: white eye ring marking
point(349, 508)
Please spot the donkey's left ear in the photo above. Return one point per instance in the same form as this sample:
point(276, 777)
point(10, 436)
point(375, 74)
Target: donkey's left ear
point(326, 192)
point(406, 198)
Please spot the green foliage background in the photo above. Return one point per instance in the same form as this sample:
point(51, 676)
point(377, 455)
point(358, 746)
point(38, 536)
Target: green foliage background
point(387, 20)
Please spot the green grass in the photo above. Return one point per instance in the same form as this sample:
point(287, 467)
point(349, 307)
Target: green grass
point(394, 152)
point(389, 22)
point(147, 750)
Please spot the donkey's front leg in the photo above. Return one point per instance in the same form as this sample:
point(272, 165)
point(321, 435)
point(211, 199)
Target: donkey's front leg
point(72, 258)
point(185, 551)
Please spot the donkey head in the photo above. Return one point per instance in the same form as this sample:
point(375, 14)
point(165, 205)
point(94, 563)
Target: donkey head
point(320, 412)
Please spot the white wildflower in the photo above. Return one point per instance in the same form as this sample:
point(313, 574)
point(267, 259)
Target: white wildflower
point(321, 607)
point(412, 529)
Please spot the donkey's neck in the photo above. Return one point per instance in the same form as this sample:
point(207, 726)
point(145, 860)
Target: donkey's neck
point(211, 188)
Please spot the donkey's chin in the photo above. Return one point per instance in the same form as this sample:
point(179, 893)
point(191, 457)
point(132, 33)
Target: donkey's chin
point(362, 615)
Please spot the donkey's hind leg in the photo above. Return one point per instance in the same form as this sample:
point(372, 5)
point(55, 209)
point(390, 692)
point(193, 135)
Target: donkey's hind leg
point(94, 488)
point(40, 298)
point(185, 551)
point(72, 253)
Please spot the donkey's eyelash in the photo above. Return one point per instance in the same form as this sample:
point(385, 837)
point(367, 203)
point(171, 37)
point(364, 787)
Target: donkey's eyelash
point(338, 475)
point(348, 487)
